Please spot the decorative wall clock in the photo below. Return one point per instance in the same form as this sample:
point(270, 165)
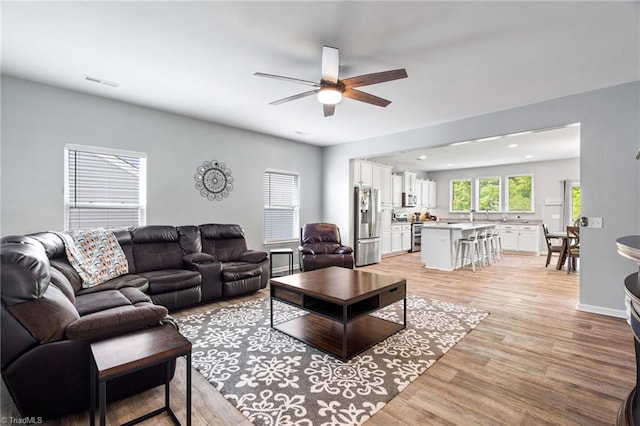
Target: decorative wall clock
point(214, 180)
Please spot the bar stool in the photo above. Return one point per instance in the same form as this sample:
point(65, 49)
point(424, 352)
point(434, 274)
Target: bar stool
point(495, 243)
point(469, 249)
point(484, 253)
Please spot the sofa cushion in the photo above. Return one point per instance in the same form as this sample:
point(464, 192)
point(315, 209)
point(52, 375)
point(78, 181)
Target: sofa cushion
point(123, 281)
point(323, 248)
point(62, 265)
point(99, 301)
point(199, 258)
point(171, 280)
point(115, 321)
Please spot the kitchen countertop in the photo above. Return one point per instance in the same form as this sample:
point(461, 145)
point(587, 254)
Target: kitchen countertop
point(464, 226)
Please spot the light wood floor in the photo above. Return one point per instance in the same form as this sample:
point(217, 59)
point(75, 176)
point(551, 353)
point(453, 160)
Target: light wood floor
point(534, 360)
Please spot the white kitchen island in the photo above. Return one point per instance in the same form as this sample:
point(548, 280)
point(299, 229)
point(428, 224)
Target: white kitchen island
point(440, 242)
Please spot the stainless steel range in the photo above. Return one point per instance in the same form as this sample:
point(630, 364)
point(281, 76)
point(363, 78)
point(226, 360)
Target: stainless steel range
point(416, 236)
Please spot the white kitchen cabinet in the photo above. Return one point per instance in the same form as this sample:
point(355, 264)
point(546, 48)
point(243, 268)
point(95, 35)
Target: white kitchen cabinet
point(409, 182)
point(520, 238)
point(386, 196)
point(396, 238)
point(362, 173)
point(396, 191)
point(385, 236)
point(405, 244)
point(431, 198)
point(528, 238)
point(400, 237)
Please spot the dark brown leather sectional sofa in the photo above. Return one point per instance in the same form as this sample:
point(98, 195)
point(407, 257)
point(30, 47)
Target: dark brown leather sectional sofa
point(48, 319)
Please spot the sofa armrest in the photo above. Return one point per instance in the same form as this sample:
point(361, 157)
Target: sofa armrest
point(196, 258)
point(253, 256)
point(306, 250)
point(210, 271)
point(343, 250)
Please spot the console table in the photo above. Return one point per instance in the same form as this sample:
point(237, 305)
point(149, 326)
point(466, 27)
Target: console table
point(125, 354)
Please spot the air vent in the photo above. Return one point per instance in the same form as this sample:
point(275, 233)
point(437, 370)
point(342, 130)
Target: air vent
point(101, 81)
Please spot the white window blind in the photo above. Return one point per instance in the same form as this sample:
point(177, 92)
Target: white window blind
point(104, 188)
point(281, 206)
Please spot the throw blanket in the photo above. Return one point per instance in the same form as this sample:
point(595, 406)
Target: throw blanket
point(96, 255)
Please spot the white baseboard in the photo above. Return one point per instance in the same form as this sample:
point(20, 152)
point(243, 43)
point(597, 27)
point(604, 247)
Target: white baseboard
point(617, 313)
point(285, 268)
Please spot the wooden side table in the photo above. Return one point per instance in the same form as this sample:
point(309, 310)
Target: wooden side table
point(280, 251)
point(125, 354)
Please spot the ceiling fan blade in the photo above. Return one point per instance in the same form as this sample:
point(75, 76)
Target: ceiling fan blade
point(328, 109)
point(330, 64)
point(294, 97)
point(375, 78)
point(365, 97)
point(292, 80)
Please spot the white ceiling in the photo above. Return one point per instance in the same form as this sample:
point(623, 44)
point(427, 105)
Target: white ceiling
point(198, 58)
point(522, 147)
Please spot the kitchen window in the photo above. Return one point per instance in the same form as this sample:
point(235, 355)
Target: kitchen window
point(103, 188)
point(281, 206)
point(488, 194)
point(460, 200)
point(519, 193)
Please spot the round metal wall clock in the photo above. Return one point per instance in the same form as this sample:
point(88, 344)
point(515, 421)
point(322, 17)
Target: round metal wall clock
point(214, 180)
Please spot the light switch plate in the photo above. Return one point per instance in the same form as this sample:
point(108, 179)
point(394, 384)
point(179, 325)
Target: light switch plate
point(595, 222)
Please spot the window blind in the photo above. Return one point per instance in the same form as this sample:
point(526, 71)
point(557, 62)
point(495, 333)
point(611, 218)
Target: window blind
point(104, 189)
point(281, 206)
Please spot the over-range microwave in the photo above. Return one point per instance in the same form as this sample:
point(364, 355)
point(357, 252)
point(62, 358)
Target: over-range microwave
point(409, 200)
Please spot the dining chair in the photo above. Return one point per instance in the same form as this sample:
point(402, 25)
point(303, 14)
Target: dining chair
point(573, 247)
point(551, 248)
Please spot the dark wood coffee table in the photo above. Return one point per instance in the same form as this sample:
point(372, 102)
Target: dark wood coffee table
point(339, 302)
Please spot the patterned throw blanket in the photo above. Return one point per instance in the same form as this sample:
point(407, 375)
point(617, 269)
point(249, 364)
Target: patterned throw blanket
point(96, 255)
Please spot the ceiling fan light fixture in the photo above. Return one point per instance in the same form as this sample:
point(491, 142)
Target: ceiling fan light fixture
point(329, 96)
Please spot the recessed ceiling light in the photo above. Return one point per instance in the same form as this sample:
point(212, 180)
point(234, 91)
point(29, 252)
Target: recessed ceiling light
point(528, 156)
point(449, 164)
point(459, 143)
point(488, 139)
point(101, 81)
point(573, 125)
point(519, 133)
point(302, 133)
point(422, 157)
point(512, 145)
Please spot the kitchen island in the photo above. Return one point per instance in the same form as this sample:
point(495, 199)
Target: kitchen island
point(440, 242)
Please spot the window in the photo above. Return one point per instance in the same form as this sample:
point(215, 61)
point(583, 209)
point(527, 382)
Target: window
point(575, 202)
point(488, 194)
point(103, 188)
point(519, 193)
point(281, 206)
point(460, 195)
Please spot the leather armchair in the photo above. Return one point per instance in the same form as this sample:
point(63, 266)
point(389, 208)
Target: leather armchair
point(321, 247)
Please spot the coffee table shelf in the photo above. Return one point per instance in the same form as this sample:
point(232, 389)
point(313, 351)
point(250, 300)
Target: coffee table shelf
point(339, 302)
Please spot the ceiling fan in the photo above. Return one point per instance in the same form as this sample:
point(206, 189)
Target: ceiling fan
point(330, 90)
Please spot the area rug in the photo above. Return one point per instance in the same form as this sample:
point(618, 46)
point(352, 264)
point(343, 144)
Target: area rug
point(274, 379)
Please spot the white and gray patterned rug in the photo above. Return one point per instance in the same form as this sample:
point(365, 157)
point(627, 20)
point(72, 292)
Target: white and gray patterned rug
point(274, 379)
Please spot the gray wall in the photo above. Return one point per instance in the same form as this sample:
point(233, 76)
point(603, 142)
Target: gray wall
point(37, 120)
point(609, 174)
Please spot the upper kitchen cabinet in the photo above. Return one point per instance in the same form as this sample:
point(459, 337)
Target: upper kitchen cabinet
point(362, 173)
point(396, 190)
point(383, 174)
point(430, 200)
point(409, 182)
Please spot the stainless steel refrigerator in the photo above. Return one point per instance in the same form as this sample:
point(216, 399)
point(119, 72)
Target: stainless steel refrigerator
point(367, 226)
